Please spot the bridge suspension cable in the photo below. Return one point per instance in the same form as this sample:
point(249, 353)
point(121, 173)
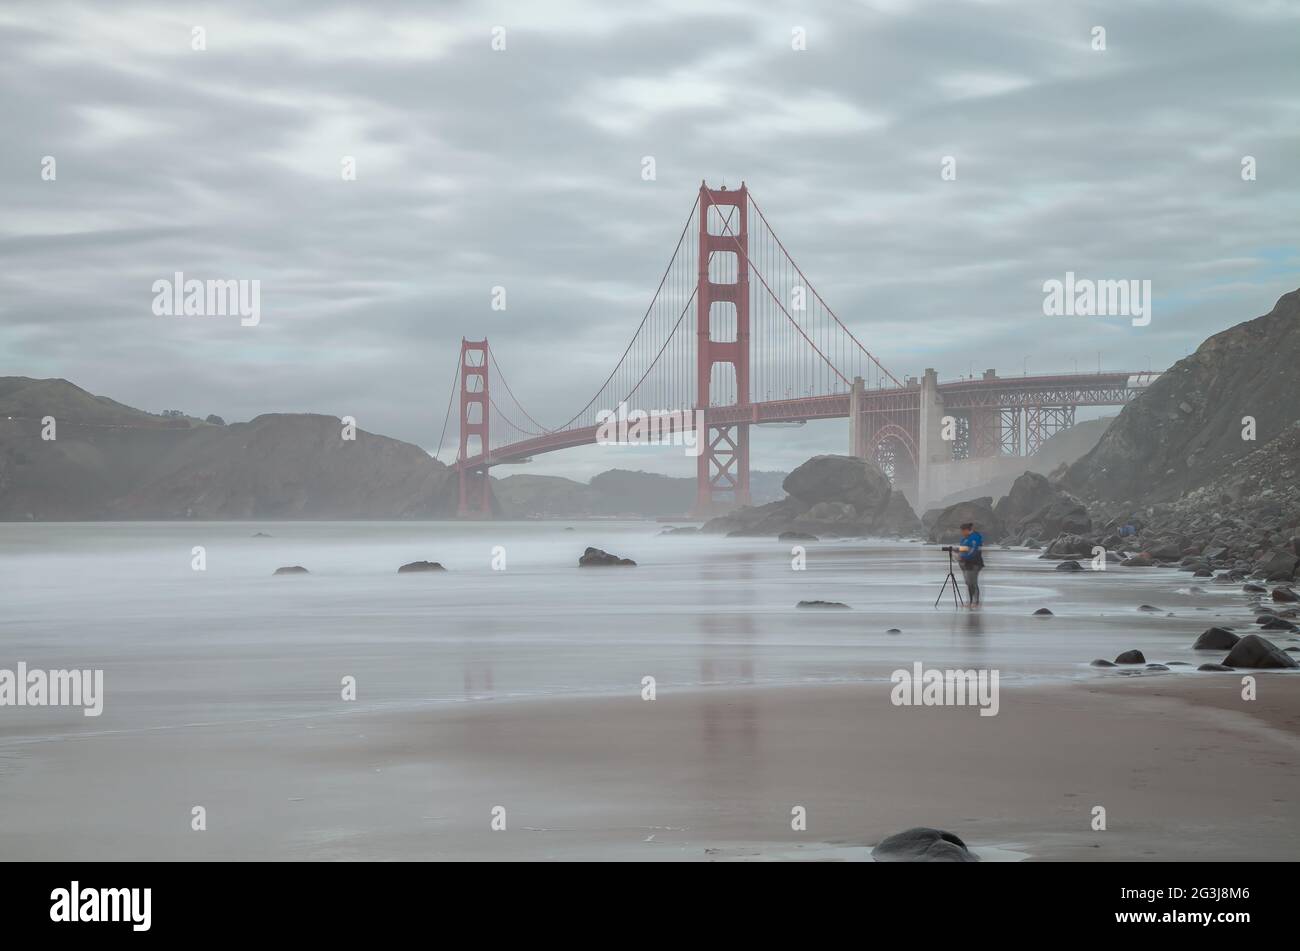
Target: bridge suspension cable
point(799, 347)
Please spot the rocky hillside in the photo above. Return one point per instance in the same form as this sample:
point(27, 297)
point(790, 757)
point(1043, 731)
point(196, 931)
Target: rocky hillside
point(1185, 432)
point(827, 495)
point(109, 461)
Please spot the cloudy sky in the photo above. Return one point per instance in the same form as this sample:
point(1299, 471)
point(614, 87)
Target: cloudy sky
point(522, 168)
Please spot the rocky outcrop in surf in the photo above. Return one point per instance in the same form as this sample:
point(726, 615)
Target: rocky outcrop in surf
point(827, 496)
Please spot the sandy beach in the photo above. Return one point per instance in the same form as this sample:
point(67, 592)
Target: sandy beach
point(1184, 768)
point(222, 693)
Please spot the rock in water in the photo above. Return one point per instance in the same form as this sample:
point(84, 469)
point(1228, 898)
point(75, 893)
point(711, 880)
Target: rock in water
point(1149, 608)
point(838, 605)
point(1255, 651)
point(923, 845)
point(1285, 595)
point(1142, 560)
point(1069, 566)
point(1043, 612)
point(1213, 667)
point(596, 558)
point(1102, 663)
point(420, 566)
point(1131, 657)
point(1216, 639)
point(828, 495)
point(292, 570)
point(797, 537)
point(1277, 624)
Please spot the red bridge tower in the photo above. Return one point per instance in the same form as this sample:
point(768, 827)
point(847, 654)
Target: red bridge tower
point(475, 488)
point(722, 470)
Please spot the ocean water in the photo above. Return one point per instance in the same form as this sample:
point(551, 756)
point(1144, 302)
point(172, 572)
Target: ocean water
point(233, 643)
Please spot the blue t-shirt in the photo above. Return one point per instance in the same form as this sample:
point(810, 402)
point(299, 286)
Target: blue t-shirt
point(973, 542)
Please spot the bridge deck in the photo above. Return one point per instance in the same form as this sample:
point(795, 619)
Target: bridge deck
point(1070, 389)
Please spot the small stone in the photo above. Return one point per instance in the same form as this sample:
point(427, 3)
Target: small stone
point(420, 566)
point(1131, 657)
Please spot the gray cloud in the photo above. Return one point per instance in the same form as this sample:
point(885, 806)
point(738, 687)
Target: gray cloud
point(521, 168)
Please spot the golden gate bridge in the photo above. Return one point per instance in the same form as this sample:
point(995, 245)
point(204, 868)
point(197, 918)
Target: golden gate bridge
point(736, 330)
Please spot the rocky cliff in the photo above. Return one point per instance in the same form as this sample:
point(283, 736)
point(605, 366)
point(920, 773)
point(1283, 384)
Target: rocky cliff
point(1187, 429)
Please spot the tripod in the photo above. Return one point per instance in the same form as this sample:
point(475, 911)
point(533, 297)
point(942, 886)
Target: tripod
point(957, 600)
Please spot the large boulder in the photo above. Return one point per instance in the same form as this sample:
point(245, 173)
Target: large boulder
point(843, 479)
point(1039, 508)
point(1255, 651)
point(1069, 546)
point(1216, 639)
point(897, 517)
point(1029, 493)
point(946, 528)
point(834, 495)
point(923, 845)
point(1279, 565)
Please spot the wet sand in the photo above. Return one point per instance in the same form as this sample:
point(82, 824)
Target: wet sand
point(521, 689)
point(1185, 769)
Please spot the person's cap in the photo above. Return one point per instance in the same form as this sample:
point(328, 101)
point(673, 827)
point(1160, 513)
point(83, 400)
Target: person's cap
point(966, 525)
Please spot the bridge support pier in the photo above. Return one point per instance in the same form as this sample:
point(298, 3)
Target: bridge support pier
point(858, 447)
point(932, 448)
point(722, 471)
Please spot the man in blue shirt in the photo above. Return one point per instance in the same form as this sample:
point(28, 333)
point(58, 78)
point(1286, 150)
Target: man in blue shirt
point(972, 560)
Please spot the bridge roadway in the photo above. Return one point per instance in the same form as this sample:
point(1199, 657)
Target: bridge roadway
point(894, 404)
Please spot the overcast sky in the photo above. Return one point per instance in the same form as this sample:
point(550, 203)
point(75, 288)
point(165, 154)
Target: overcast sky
point(522, 167)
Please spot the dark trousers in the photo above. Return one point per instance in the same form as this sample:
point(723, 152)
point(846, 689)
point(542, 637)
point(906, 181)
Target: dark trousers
point(972, 575)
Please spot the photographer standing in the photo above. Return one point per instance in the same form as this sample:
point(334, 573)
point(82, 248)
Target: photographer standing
point(972, 560)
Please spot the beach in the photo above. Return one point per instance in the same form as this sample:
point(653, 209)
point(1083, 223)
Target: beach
point(537, 723)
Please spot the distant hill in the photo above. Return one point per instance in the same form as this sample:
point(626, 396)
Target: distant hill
point(1186, 430)
point(110, 461)
point(615, 492)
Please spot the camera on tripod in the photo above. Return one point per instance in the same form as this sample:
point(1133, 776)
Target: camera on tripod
point(957, 599)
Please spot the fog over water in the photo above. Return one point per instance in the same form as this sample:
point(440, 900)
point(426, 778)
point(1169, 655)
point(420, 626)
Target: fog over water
point(234, 643)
